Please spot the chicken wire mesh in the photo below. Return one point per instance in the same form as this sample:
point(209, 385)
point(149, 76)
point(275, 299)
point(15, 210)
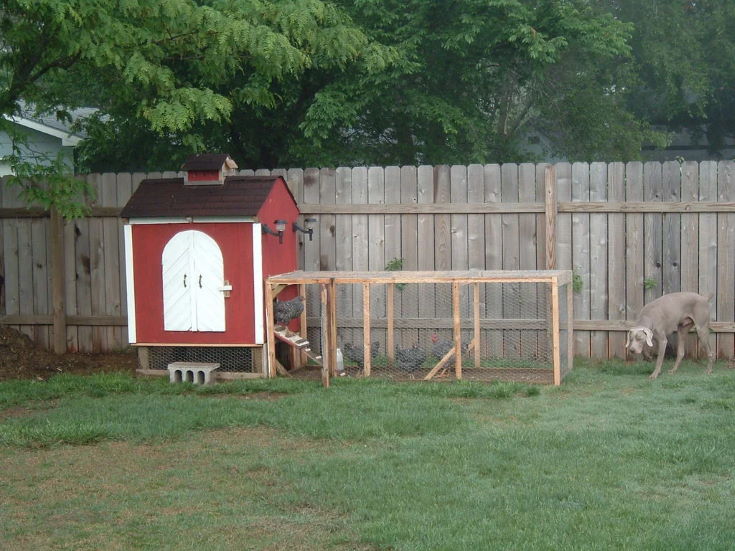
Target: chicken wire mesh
point(231, 358)
point(507, 330)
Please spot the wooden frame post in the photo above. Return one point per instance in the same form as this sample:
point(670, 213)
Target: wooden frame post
point(457, 327)
point(326, 353)
point(555, 352)
point(301, 355)
point(366, 357)
point(550, 210)
point(332, 327)
point(269, 327)
point(476, 314)
point(390, 342)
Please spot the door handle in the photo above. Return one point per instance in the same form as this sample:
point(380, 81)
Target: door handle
point(184, 280)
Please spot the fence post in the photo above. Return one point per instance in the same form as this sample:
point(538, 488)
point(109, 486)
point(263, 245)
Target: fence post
point(58, 300)
point(550, 208)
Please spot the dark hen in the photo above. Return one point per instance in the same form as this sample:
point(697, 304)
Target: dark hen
point(410, 359)
point(440, 347)
point(286, 310)
point(356, 354)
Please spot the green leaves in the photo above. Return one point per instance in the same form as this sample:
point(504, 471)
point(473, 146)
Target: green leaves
point(174, 69)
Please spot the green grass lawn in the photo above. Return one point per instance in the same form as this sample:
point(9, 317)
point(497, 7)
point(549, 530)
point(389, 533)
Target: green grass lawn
point(609, 460)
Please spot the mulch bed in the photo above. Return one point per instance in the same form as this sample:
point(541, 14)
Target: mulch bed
point(21, 358)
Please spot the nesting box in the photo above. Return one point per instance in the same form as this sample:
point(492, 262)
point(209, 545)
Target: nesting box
point(198, 248)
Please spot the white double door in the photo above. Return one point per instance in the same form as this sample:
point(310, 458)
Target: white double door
point(193, 277)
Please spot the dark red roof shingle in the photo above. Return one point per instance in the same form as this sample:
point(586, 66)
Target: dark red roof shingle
point(169, 197)
point(205, 161)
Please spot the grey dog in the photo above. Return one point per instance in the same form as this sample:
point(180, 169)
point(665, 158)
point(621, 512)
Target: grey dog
point(660, 318)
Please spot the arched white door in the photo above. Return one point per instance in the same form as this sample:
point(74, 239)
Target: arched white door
point(193, 276)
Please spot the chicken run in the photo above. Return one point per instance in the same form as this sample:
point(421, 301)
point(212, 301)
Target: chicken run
point(472, 325)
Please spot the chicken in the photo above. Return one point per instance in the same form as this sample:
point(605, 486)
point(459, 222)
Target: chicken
point(440, 347)
point(356, 354)
point(410, 359)
point(286, 310)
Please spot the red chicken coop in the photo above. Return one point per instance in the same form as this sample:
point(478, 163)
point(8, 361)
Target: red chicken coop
point(198, 248)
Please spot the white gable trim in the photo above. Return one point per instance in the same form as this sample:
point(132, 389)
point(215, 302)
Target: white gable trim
point(258, 283)
point(67, 139)
point(130, 283)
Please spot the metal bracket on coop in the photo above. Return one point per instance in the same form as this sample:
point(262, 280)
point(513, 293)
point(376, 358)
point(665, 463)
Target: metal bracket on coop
point(411, 325)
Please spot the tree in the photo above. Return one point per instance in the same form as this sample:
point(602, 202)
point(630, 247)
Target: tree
point(164, 68)
point(685, 61)
point(464, 81)
point(476, 77)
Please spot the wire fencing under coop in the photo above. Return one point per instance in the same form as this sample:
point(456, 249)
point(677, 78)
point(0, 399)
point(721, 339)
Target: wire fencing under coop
point(437, 325)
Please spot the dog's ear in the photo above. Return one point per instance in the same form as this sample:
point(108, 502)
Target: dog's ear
point(627, 339)
point(649, 336)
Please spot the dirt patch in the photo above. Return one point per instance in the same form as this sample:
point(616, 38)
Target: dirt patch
point(21, 358)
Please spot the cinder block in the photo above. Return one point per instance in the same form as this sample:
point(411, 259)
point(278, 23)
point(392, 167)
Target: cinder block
point(199, 373)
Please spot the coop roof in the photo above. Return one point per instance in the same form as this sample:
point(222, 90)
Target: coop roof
point(208, 161)
point(169, 197)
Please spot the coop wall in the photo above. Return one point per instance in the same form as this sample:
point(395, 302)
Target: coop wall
point(414, 323)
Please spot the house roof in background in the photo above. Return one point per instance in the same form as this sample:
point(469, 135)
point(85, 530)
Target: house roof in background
point(48, 123)
point(170, 197)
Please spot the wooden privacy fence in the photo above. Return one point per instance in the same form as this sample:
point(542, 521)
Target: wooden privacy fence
point(629, 231)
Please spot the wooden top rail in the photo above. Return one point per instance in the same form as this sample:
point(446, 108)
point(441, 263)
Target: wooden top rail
point(561, 277)
point(632, 207)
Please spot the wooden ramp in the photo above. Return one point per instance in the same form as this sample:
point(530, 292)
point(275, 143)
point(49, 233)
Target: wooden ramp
point(296, 341)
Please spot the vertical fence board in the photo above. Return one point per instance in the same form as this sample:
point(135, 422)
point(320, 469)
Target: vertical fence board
point(689, 239)
point(393, 225)
point(111, 251)
point(528, 298)
point(311, 252)
point(97, 270)
point(10, 251)
point(598, 260)
point(458, 225)
point(343, 245)
point(409, 252)
point(295, 180)
point(125, 183)
point(360, 237)
point(40, 244)
point(708, 238)
point(541, 217)
point(327, 238)
point(634, 247)
point(581, 254)
point(616, 259)
point(442, 238)
point(653, 233)
point(376, 247)
point(511, 257)
point(25, 272)
point(726, 257)
point(671, 276)
point(426, 244)
point(493, 257)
